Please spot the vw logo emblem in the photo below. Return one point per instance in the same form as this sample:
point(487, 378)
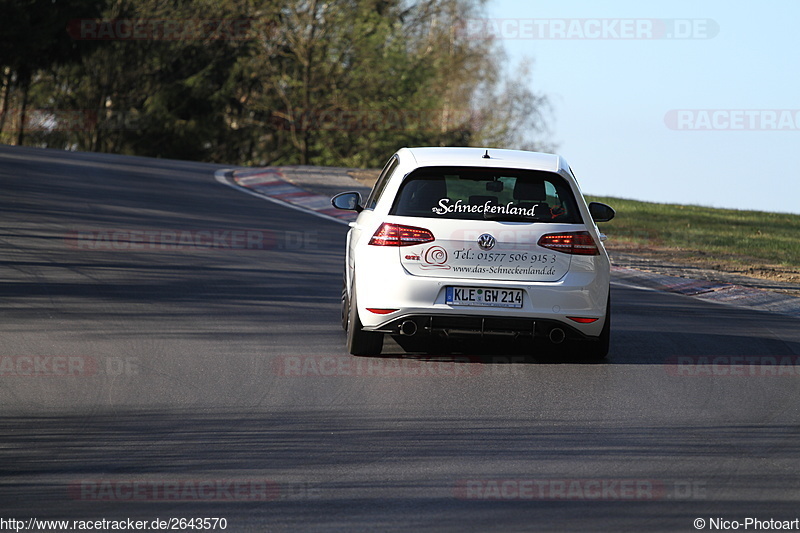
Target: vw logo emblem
point(486, 242)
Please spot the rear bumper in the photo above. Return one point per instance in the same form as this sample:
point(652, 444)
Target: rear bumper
point(422, 299)
point(478, 326)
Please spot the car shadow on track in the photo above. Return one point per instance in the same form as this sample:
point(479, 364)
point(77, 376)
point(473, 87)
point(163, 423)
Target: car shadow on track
point(648, 328)
point(482, 351)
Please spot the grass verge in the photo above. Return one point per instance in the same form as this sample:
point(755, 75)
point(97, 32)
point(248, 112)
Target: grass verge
point(726, 239)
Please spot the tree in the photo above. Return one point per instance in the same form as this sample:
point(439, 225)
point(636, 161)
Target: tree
point(300, 82)
point(33, 36)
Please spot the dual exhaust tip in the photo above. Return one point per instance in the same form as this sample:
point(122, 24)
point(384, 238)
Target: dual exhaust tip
point(556, 335)
point(409, 328)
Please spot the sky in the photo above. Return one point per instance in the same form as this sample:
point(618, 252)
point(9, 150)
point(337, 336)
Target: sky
point(687, 102)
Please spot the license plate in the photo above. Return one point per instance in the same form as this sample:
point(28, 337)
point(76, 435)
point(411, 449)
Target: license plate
point(480, 297)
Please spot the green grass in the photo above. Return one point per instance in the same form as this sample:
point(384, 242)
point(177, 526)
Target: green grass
point(732, 235)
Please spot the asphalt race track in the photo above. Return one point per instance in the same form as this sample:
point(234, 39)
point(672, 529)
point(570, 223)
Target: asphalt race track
point(172, 348)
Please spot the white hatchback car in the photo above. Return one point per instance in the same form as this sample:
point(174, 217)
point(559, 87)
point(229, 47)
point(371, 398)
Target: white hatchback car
point(476, 242)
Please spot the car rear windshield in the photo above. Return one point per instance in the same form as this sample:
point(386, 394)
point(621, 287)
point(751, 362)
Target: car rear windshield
point(486, 193)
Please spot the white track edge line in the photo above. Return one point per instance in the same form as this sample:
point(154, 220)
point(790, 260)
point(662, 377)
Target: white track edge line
point(222, 177)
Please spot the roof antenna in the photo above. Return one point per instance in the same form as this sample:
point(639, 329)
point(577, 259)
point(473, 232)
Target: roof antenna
point(486, 155)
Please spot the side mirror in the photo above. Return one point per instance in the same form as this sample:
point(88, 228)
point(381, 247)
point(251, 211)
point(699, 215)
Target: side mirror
point(601, 212)
point(349, 201)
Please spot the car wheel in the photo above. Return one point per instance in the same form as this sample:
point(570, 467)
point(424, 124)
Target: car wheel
point(345, 306)
point(360, 342)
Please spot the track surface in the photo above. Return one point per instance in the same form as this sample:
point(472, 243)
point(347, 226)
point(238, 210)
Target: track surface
point(169, 366)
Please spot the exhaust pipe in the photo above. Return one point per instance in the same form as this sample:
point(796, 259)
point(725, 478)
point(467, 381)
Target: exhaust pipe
point(408, 328)
point(557, 335)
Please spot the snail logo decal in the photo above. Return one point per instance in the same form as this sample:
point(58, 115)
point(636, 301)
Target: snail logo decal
point(435, 257)
point(486, 242)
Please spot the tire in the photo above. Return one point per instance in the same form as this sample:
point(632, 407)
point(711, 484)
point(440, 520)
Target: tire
point(345, 306)
point(360, 342)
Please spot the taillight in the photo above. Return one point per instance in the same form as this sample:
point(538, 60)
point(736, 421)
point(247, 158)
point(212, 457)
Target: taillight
point(382, 311)
point(583, 319)
point(576, 243)
point(397, 235)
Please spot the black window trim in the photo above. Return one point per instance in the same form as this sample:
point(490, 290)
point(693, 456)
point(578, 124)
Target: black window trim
point(380, 185)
